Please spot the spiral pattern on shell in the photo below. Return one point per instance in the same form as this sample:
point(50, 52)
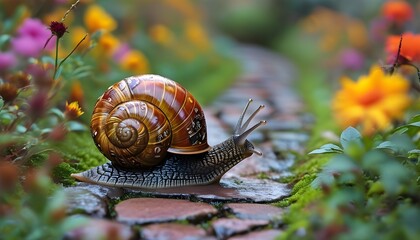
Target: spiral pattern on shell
point(137, 120)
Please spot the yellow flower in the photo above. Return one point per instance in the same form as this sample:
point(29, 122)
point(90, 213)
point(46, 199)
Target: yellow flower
point(108, 43)
point(77, 34)
point(196, 34)
point(372, 102)
point(135, 62)
point(161, 34)
point(73, 110)
point(96, 18)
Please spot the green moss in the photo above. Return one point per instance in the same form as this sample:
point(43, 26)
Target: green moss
point(316, 93)
point(79, 153)
point(262, 175)
point(62, 172)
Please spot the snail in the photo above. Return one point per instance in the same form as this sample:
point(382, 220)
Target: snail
point(154, 133)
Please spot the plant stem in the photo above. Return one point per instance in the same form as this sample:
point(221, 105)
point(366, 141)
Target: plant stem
point(56, 59)
point(72, 51)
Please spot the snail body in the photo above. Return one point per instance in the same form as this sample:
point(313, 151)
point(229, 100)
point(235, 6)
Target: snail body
point(154, 133)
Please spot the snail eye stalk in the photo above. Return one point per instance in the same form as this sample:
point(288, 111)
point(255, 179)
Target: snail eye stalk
point(241, 132)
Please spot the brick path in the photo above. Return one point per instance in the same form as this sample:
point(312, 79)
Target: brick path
point(211, 213)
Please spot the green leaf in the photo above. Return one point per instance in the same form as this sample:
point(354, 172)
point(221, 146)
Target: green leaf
point(73, 222)
point(415, 153)
point(76, 126)
point(6, 117)
point(56, 112)
point(327, 148)
point(414, 124)
point(350, 136)
point(387, 145)
point(373, 159)
point(376, 188)
point(411, 128)
point(340, 164)
point(394, 177)
point(1, 102)
point(5, 38)
point(399, 144)
point(11, 139)
point(415, 119)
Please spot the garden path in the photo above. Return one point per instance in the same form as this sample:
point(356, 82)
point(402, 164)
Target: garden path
point(236, 210)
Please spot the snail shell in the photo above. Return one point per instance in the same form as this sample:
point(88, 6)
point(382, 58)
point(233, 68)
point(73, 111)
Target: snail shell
point(141, 118)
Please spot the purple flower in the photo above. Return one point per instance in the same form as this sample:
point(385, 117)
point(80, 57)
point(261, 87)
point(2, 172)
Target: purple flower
point(351, 59)
point(31, 38)
point(378, 30)
point(7, 60)
point(121, 51)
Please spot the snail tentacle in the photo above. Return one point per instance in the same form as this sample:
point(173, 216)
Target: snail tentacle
point(241, 132)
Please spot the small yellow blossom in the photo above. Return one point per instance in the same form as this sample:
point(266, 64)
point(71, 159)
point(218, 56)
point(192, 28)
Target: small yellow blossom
point(135, 62)
point(196, 34)
point(372, 102)
point(96, 19)
point(73, 110)
point(108, 43)
point(161, 34)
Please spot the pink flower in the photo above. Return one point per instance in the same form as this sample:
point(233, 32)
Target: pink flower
point(7, 60)
point(351, 59)
point(31, 38)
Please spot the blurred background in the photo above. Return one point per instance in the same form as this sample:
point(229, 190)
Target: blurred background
point(56, 59)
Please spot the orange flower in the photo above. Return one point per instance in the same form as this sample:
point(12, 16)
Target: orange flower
point(73, 110)
point(372, 102)
point(96, 19)
point(410, 47)
point(76, 93)
point(397, 11)
point(135, 62)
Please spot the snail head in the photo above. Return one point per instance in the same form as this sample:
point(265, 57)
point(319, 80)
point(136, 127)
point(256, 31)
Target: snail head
point(242, 131)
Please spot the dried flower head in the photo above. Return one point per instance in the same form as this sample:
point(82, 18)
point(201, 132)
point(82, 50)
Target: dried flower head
point(8, 92)
point(373, 101)
point(73, 110)
point(19, 79)
point(38, 105)
point(58, 28)
point(9, 175)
